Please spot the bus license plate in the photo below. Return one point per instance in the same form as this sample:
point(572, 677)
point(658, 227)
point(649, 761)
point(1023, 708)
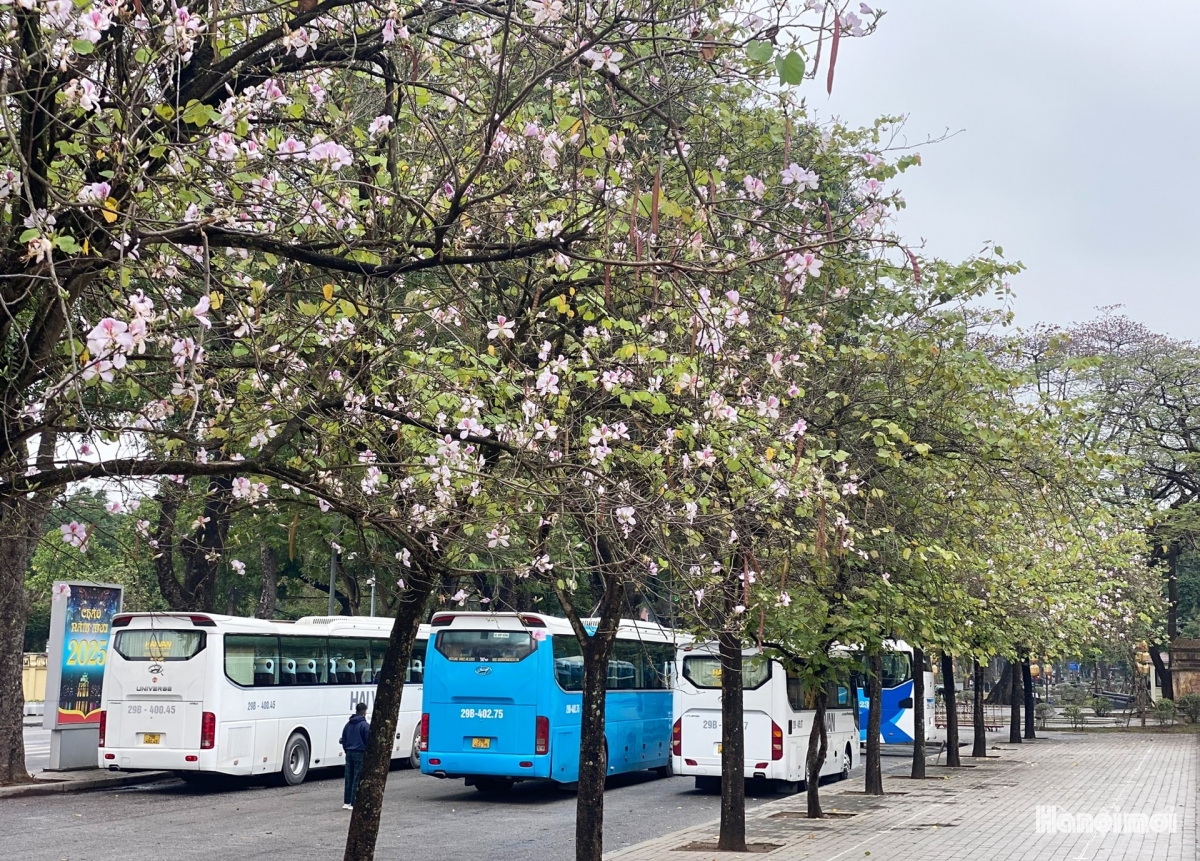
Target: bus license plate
point(718, 748)
point(481, 743)
point(151, 738)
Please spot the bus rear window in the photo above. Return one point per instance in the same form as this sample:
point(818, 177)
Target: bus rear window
point(491, 646)
point(704, 671)
point(158, 645)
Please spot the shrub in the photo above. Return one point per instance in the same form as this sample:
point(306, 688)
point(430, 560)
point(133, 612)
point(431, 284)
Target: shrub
point(1102, 706)
point(1075, 715)
point(1042, 712)
point(1189, 704)
point(1164, 712)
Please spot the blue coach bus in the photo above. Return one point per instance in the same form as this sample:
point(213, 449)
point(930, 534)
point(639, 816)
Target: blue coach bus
point(898, 714)
point(503, 699)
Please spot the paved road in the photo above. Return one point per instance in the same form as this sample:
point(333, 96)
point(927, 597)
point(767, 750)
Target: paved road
point(256, 821)
point(443, 819)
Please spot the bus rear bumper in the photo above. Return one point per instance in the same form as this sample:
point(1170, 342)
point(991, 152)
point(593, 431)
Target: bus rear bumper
point(459, 765)
point(773, 771)
point(176, 759)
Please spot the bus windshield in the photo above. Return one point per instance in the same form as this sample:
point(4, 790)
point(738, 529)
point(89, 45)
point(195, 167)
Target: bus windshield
point(492, 646)
point(158, 645)
point(704, 671)
point(897, 668)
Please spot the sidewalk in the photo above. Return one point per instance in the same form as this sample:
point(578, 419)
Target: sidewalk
point(1024, 804)
point(52, 782)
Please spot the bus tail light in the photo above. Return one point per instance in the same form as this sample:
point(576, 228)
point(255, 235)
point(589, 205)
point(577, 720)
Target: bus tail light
point(202, 621)
point(776, 741)
point(208, 731)
point(441, 621)
point(677, 738)
point(423, 742)
point(532, 622)
point(541, 743)
point(103, 725)
point(121, 621)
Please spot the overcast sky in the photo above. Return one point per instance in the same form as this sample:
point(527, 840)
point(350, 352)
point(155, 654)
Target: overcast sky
point(1078, 145)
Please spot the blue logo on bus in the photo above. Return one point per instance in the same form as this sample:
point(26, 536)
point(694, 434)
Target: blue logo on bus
point(482, 671)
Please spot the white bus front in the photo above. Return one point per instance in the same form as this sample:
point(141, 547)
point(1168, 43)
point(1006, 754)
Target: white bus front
point(776, 722)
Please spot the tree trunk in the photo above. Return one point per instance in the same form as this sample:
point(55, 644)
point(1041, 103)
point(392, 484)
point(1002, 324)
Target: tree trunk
point(952, 758)
point(368, 801)
point(733, 741)
point(818, 749)
point(980, 747)
point(874, 785)
point(1160, 667)
point(1014, 723)
point(1000, 691)
point(1027, 686)
point(593, 746)
point(918, 758)
point(201, 551)
point(22, 520)
point(270, 583)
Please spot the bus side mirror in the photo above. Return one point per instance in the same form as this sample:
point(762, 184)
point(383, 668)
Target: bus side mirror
point(906, 703)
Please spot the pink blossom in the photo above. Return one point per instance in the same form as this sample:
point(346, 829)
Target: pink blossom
point(803, 178)
point(60, 591)
point(755, 187)
point(75, 534)
point(334, 153)
point(502, 328)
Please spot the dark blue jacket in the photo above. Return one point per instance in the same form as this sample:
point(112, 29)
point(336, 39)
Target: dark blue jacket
point(354, 736)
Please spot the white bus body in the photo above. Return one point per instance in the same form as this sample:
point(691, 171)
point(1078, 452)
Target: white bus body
point(776, 724)
point(200, 693)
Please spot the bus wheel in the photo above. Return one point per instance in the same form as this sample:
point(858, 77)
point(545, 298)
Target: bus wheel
point(846, 760)
point(494, 784)
point(667, 770)
point(295, 760)
point(414, 755)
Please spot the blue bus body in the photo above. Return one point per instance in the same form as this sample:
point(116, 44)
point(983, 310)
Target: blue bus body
point(896, 725)
point(503, 700)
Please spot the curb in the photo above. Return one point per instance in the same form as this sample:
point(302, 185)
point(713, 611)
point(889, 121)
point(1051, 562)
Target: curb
point(46, 787)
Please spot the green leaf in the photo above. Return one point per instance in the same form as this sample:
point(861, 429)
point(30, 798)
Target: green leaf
point(82, 47)
point(790, 68)
point(759, 51)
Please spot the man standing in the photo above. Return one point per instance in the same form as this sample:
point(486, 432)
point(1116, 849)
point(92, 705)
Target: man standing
point(354, 742)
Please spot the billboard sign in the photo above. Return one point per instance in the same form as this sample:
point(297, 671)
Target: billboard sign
point(80, 623)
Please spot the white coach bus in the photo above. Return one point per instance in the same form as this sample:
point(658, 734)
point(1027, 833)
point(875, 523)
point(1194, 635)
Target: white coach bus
point(778, 716)
point(204, 694)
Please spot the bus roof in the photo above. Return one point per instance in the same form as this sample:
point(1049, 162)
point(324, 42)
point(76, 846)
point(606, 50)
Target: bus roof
point(554, 625)
point(327, 625)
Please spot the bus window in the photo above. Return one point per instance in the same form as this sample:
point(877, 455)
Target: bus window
point(839, 696)
point(491, 646)
point(897, 668)
point(568, 662)
point(349, 661)
point(252, 660)
point(307, 656)
point(795, 688)
point(416, 663)
point(704, 671)
point(649, 665)
point(158, 646)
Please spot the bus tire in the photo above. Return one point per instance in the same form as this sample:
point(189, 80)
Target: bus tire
point(847, 760)
point(414, 755)
point(667, 770)
point(296, 758)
